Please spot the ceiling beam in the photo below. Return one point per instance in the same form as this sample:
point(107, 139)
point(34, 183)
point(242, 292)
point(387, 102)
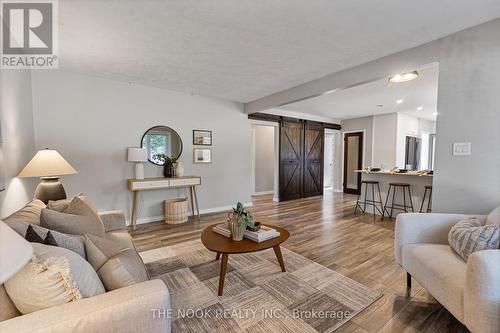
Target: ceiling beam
point(400, 62)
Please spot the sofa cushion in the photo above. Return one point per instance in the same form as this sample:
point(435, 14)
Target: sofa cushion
point(70, 224)
point(116, 265)
point(8, 309)
point(439, 270)
point(29, 213)
point(468, 236)
point(494, 217)
point(54, 276)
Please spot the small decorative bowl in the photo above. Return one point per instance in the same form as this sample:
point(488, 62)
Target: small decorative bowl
point(256, 227)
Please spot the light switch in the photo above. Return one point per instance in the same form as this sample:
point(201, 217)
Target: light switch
point(461, 148)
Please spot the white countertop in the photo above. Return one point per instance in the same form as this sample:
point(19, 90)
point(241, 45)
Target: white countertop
point(387, 172)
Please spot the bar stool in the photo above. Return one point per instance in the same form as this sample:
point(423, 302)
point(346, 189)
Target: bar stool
point(371, 202)
point(427, 188)
point(404, 207)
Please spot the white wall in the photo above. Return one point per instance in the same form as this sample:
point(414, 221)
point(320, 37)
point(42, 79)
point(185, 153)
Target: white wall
point(385, 140)
point(362, 124)
point(264, 158)
point(18, 139)
point(469, 111)
point(92, 121)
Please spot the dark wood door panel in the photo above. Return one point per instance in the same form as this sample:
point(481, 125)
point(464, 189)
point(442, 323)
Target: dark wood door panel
point(291, 159)
point(313, 159)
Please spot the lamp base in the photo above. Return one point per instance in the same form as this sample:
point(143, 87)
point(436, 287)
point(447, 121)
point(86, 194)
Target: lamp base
point(49, 189)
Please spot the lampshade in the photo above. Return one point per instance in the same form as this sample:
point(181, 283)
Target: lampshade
point(47, 163)
point(136, 154)
point(15, 252)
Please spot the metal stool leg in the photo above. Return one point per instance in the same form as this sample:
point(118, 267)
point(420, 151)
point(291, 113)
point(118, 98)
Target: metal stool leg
point(373, 200)
point(392, 206)
point(381, 202)
point(429, 201)
point(366, 191)
point(423, 201)
point(386, 201)
point(357, 201)
point(404, 199)
point(411, 201)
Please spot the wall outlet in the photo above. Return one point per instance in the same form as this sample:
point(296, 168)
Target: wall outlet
point(461, 148)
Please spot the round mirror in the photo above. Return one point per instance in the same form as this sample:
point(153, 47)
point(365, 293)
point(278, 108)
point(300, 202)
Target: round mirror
point(161, 142)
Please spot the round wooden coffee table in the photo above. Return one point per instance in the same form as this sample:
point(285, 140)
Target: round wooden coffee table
point(226, 246)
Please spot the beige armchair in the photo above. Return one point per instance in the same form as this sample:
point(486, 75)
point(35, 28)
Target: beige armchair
point(469, 290)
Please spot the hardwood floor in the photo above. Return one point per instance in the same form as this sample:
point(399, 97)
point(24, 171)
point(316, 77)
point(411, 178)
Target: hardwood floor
point(325, 230)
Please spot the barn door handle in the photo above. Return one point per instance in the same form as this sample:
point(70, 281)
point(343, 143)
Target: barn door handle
point(315, 161)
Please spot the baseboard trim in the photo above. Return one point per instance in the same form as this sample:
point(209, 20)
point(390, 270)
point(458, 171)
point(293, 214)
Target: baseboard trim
point(206, 211)
point(256, 194)
point(276, 199)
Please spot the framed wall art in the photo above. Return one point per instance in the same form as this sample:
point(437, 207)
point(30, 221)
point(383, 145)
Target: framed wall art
point(202, 138)
point(202, 155)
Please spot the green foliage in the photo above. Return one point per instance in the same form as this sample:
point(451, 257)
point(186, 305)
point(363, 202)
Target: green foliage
point(244, 215)
point(166, 159)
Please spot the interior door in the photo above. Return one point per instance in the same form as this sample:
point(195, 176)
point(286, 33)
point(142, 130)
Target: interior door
point(291, 159)
point(313, 159)
point(353, 160)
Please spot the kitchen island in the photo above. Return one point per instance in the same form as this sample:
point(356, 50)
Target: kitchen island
point(416, 180)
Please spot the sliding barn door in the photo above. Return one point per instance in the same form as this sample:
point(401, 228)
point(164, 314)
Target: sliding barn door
point(291, 159)
point(313, 159)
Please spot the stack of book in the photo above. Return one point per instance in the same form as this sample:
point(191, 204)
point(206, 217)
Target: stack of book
point(265, 233)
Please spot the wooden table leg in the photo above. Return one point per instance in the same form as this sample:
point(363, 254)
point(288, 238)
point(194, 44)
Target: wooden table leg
point(196, 199)
point(217, 256)
point(134, 209)
point(192, 201)
point(222, 276)
point(277, 251)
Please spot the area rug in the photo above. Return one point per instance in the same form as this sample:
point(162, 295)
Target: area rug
point(257, 297)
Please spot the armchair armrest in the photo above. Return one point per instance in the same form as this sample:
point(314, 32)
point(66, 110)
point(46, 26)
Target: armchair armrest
point(113, 220)
point(482, 292)
point(414, 228)
point(126, 310)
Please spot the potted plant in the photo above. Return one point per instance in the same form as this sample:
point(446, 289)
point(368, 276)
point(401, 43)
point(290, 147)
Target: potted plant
point(238, 220)
point(168, 164)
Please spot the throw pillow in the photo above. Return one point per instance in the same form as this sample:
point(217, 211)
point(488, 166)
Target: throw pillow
point(29, 213)
point(468, 236)
point(79, 205)
point(54, 276)
point(74, 243)
point(61, 205)
point(71, 224)
point(37, 234)
point(494, 217)
point(117, 266)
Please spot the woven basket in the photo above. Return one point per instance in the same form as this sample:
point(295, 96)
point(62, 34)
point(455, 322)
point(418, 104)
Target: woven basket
point(176, 211)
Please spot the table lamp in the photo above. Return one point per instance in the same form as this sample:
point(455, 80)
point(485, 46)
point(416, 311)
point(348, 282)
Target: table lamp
point(138, 155)
point(15, 252)
point(48, 164)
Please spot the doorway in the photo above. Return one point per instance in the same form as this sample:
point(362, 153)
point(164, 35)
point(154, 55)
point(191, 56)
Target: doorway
point(353, 160)
point(332, 176)
point(264, 159)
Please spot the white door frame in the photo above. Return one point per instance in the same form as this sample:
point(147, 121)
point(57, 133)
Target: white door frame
point(275, 191)
point(337, 152)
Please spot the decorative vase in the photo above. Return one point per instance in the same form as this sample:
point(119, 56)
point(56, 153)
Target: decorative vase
point(179, 170)
point(168, 170)
point(237, 229)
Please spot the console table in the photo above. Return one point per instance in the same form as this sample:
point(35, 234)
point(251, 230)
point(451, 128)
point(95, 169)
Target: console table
point(146, 184)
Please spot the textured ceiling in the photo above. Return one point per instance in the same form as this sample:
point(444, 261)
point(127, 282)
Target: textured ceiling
point(361, 101)
point(242, 50)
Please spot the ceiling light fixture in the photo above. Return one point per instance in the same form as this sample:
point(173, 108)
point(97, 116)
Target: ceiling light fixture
point(403, 77)
point(420, 108)
point(399, 101)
